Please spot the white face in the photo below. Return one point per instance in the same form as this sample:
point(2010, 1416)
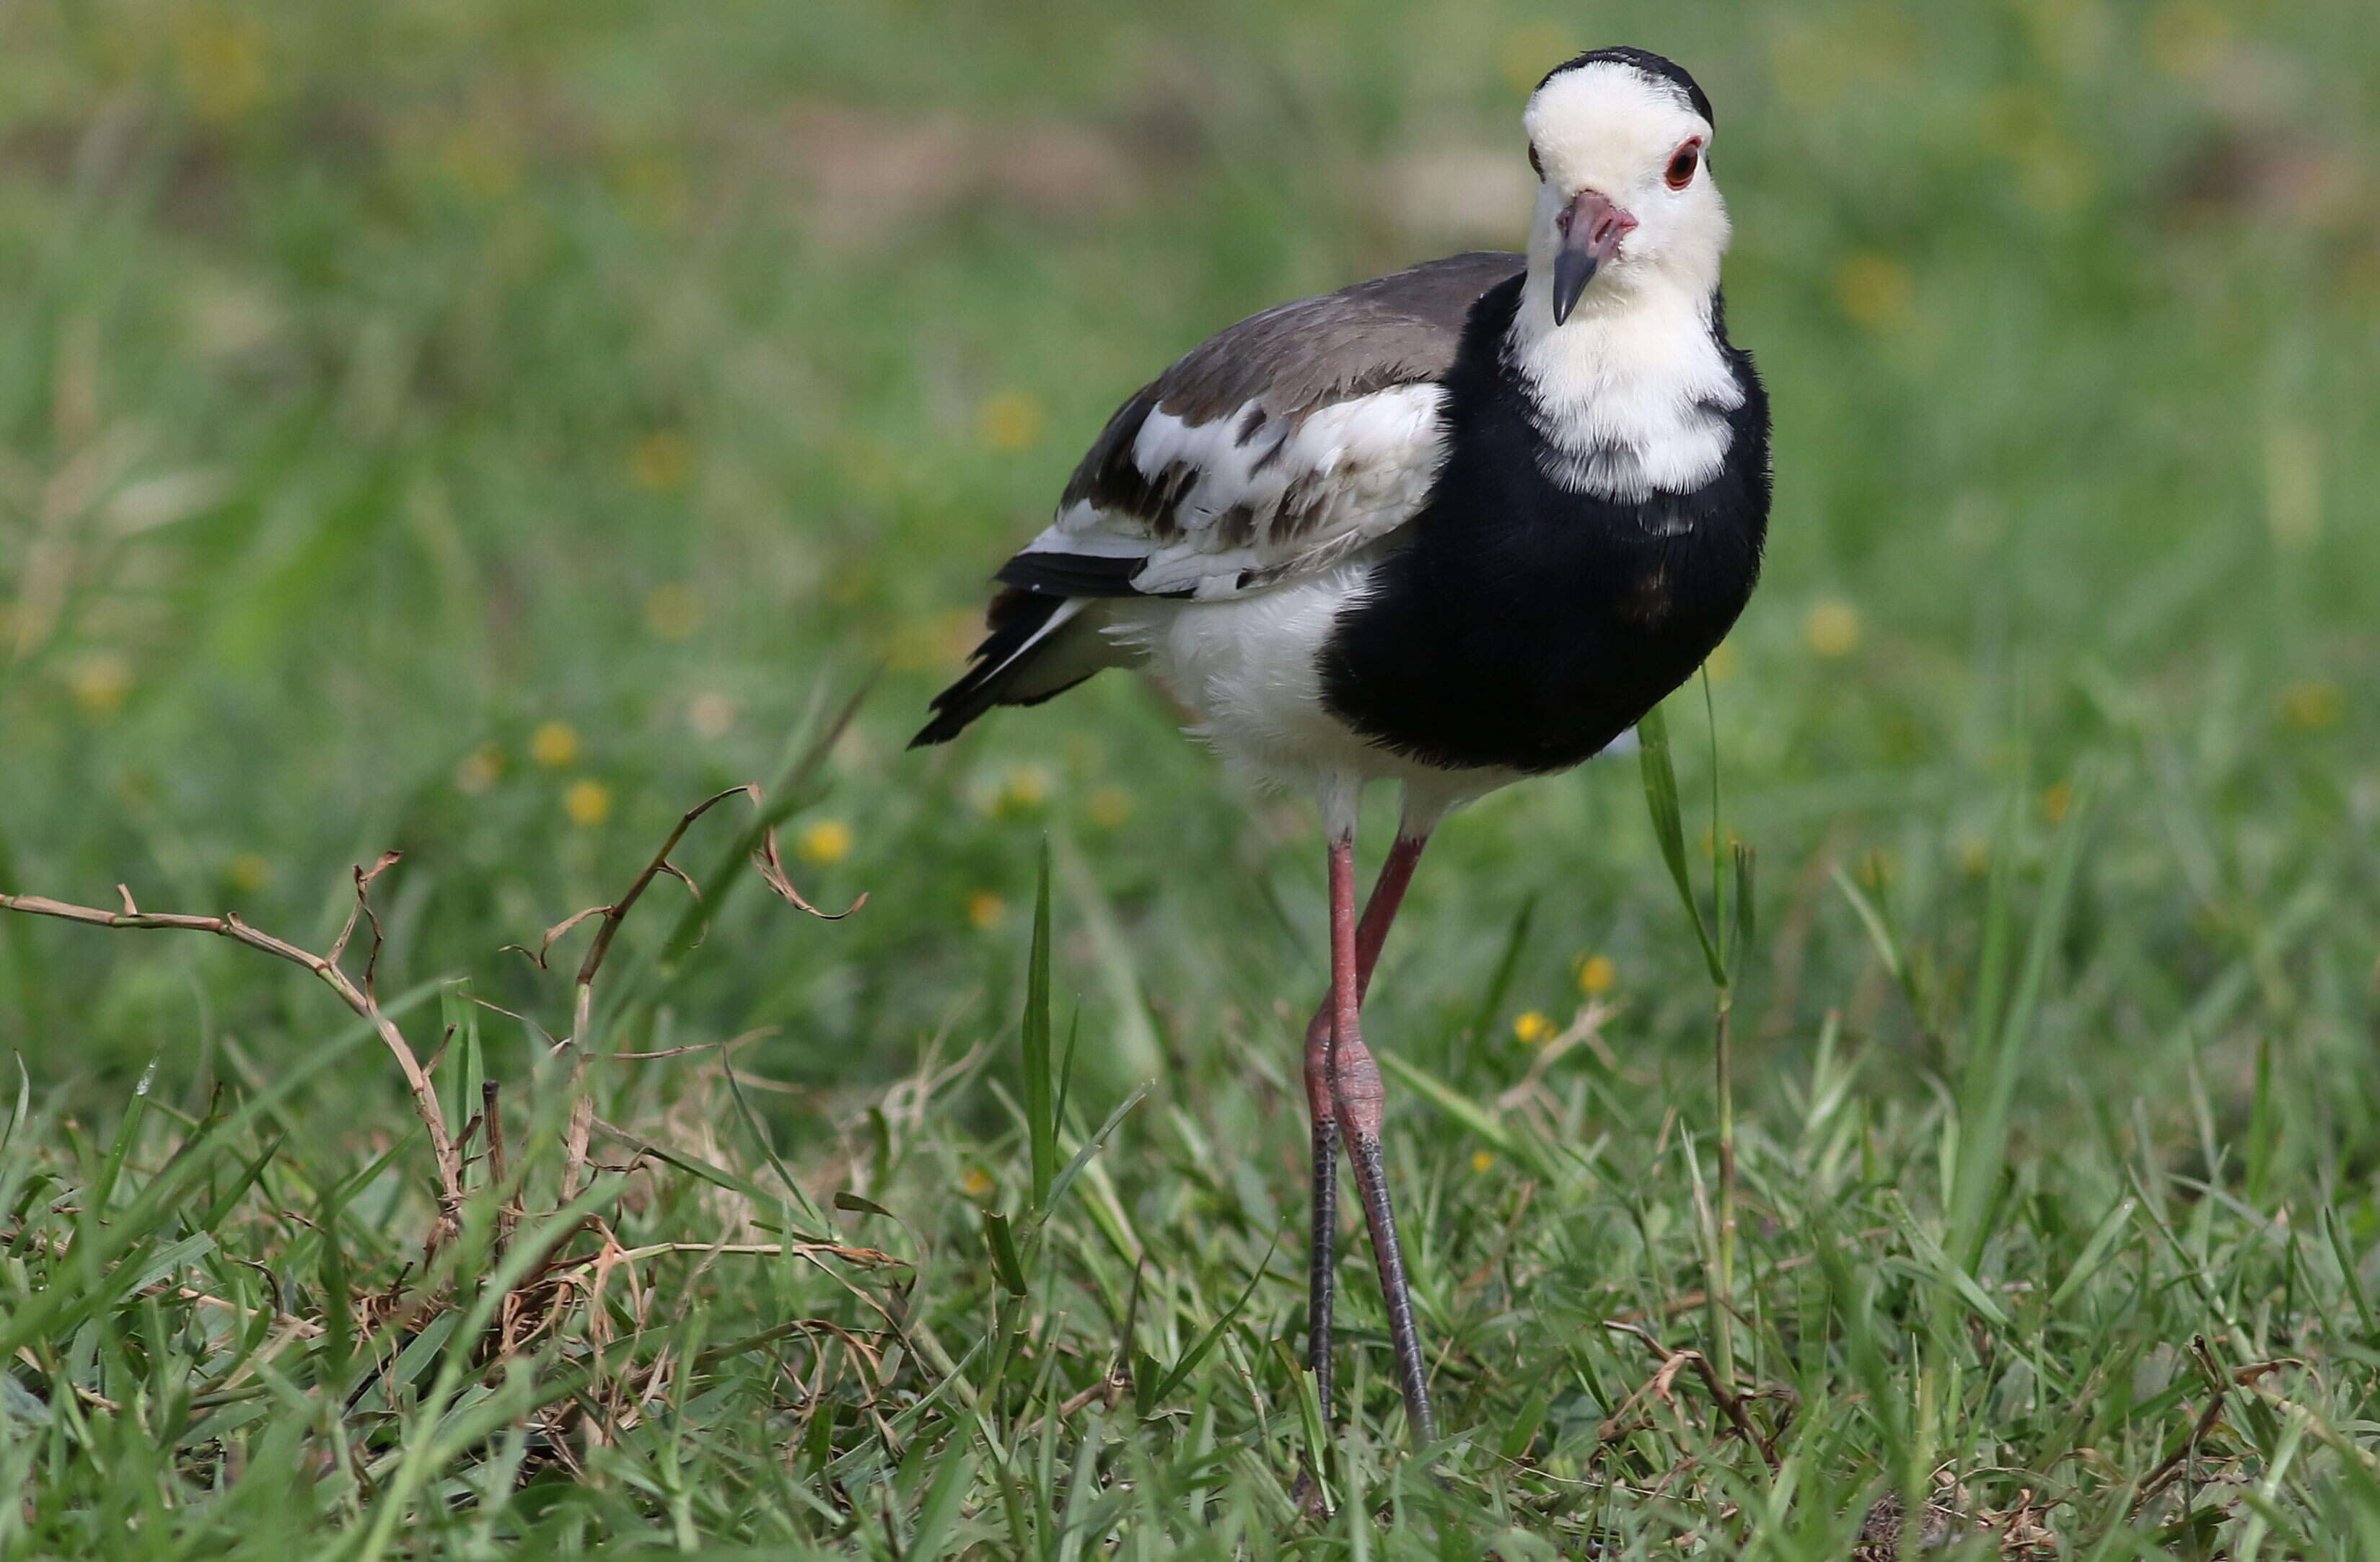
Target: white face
point(1610, 130)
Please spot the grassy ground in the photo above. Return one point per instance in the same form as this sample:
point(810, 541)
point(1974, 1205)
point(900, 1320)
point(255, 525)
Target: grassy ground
point(483, 431)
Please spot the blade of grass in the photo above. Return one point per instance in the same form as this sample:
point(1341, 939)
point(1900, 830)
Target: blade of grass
point(1041, 1097)
point(1516, 938)
point(1879, 931)
point(1006, 1263)
point(939, 1512)
point(1719, 851)
point(2345, 1253)
point(2094, 1250)
point(23, 1106)
point(786, 1179)
point(1066, 1068)
point(1996, 1058)
point(1669, 826)
point(1091, 1146)
point(127, 1130)
point(1205, 1341)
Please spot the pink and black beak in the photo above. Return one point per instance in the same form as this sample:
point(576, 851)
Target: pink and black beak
point(1591, 228)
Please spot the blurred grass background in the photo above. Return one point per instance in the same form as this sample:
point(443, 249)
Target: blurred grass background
point(484, 429)
point(480, 430)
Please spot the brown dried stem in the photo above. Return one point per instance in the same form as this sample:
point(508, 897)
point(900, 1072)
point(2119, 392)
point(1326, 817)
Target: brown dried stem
point(616, 913)
point(360, 999)
point(608, 918)
point(1721, 1394)
point(363, 998)
point(866, 1257)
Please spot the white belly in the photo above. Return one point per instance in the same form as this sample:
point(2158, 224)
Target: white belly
point(1249, 670)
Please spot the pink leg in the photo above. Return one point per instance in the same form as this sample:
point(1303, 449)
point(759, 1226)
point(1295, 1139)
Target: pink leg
point(1357, 1098)
point(1388, 894)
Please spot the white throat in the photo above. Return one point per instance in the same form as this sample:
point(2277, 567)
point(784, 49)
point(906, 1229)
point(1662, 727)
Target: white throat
point(1632, 394)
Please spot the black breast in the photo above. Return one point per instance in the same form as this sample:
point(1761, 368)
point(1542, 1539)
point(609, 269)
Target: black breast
point(1522, 625)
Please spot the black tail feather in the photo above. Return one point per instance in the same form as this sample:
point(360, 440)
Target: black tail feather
point(1016, 616)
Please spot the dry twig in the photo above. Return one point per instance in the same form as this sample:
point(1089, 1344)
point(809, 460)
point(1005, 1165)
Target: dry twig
point(1723, 1396)
point(534, 1305)
point(362, 999)
point(765, 858)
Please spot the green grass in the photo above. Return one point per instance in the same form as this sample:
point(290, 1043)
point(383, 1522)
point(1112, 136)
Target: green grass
point(483, 431)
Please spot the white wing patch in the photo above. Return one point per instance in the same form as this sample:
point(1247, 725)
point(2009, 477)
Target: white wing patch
point(1254, 500)
point(1067, 612)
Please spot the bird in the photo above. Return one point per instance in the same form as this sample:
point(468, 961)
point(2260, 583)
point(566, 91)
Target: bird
point(1449, 528)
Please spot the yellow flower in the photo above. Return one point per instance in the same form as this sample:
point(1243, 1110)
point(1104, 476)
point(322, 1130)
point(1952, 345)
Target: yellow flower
point(1481, 1160)
point(554, 745)
point(478, 770)
point(824, 840)
point(660, 461)
point(1109, 806)
point(1874, 291)
point(2317, 702)
point(976, 1183)
point(1024, 788)
point(589, 803)
point(2057, 801)
point(1832, 628)
point(1010, 421)
point(98, 683)
point(1597, 976)
point(984, 910)
point(249, 872)
point(1533, 1028)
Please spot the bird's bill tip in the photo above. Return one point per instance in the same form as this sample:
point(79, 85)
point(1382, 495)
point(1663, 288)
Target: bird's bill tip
point(1573, 272)
point(1591, 227)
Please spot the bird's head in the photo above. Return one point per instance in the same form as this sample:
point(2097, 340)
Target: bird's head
point(1620, 142)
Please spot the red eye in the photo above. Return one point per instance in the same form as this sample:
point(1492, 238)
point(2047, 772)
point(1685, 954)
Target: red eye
point(1682, 163)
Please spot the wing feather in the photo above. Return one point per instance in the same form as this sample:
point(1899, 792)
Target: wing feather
point(1269, 451)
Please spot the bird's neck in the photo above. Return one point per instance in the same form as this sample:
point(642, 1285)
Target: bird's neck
point(1630, 395)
